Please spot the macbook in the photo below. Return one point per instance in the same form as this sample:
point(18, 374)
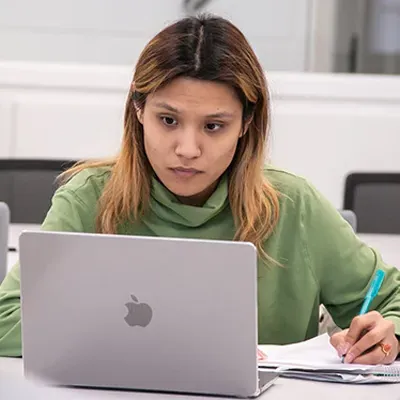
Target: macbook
point(4, 226)
point(143, 313)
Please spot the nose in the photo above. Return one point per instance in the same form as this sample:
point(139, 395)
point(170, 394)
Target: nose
point(188, 145)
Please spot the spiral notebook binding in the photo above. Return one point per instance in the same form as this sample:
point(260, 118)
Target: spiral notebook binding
point(388, 373)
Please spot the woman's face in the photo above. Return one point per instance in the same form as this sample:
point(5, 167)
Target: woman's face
point(191, 130)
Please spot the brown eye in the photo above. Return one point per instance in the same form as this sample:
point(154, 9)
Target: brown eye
point(169, 121)
point(213, 127)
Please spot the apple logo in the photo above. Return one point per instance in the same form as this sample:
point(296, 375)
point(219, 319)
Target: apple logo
point(139, 314)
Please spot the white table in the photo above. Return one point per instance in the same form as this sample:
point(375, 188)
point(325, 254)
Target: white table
point(14, 386)
point(12, 258)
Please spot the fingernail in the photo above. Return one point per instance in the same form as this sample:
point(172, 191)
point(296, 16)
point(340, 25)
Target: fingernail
point(349, 358)
point(346, 347)
point(341, 350)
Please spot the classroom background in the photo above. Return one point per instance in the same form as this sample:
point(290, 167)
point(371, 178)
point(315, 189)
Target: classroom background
point(333, 71)
point(332, 68)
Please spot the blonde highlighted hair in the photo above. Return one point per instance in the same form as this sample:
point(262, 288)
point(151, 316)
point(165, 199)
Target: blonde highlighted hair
point(207, 48)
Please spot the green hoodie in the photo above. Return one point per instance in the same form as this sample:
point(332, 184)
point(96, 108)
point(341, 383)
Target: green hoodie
point(323, 261)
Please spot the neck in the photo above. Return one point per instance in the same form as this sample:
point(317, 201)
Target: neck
point(198, 200)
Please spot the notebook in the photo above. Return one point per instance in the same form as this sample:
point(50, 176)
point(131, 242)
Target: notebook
point(316, 359)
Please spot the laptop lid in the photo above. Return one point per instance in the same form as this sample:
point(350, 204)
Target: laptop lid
point(4, 226)
point(141, 313)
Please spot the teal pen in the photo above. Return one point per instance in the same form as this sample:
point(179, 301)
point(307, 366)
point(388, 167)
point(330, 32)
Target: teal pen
point(372, 292)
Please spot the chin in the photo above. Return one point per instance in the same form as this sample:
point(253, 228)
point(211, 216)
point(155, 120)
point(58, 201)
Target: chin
point(183, 190)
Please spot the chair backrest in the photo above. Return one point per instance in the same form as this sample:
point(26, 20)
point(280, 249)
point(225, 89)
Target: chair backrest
point(375, 199)
point(350, 217)
point(4, 226)
point(27, 186)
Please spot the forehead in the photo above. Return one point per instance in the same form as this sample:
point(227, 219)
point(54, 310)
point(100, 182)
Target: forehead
point(194, 94)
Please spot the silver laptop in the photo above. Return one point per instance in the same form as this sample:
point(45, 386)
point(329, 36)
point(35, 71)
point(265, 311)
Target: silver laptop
point(4, 226)
point(157, 314)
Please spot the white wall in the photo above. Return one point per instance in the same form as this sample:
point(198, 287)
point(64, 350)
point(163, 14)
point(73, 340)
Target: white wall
point(114, 32)
point(322, 36)
point(326, 126)
point(56, 111)
point(323, 126)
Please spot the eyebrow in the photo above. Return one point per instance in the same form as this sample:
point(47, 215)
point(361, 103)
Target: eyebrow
point(167, 107)
point(222, 114)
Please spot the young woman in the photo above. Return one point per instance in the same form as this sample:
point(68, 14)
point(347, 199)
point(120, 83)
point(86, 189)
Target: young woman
point(192, 165)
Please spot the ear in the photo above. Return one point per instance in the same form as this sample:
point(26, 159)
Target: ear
point(139, 112)
point(139, 115)
point(246, 126)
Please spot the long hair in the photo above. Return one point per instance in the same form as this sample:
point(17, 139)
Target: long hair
point(207, 48)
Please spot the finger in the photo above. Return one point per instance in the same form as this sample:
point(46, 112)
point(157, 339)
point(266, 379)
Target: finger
point(373, 357)
point(367, 342)
point(338, 341)
point(360, 323)
point(261, 355)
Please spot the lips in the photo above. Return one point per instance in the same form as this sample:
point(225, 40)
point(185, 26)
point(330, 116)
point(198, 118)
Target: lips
point(181, 169)
point(185, 172)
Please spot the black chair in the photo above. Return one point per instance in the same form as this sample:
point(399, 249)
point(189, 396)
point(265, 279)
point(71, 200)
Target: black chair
point(350, 217)
point(375, 199)
point(27, 186)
